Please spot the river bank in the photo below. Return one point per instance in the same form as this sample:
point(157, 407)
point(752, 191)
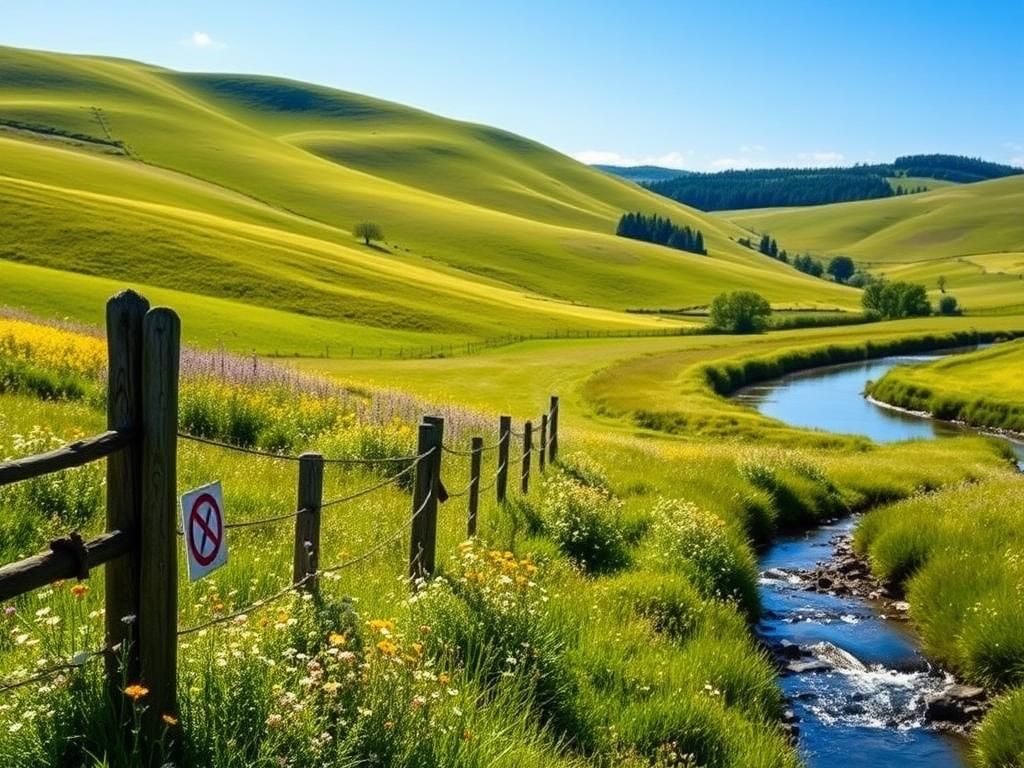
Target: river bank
point(848, 637)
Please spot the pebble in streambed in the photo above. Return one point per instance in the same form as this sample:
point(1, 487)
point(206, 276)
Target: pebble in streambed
point(861, 693)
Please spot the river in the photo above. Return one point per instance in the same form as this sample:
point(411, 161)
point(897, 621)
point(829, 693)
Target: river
point(870, 711)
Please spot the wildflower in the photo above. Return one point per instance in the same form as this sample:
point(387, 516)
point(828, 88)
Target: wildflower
point(169, 720)
point(418, 701)
point(9, 610)
point(136, 691)
point(274, 720)
point(129, 619)
point(388, 725)
point(383, 626)
point(387, 648)
point(79, 590)
point(337, 639)
point(331, 687)
point(443, 679)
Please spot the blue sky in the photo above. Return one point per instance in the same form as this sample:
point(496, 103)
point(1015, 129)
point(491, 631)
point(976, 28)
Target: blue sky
point(695, 85)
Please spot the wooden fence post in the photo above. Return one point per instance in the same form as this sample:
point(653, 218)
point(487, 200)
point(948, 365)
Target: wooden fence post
point(553, 427)
point(527, 455)
point(422, 549)
point(477, 454)
point(125, 313)
point(542, 453)
point(158, 544)
point(504, 441)
point(306, 558)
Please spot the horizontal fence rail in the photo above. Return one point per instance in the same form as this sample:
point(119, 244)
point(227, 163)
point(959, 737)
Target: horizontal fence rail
point(68, 456)
point(139, 548)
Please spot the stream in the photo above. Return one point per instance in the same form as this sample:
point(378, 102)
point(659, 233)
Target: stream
point(862, 682)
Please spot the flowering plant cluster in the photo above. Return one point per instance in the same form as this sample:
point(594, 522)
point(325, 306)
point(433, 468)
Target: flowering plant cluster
point(584, 521)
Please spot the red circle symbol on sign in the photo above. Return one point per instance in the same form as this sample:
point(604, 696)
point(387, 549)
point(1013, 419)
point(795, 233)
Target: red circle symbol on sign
point(205, 530)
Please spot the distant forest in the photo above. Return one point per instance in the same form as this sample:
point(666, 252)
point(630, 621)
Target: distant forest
point(655, 229)
point(768, 188)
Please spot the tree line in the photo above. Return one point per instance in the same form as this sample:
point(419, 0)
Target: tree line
point(771, 187)
point(662, 231)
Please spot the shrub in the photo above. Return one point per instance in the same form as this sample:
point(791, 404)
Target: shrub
point(700, 544)
point(896, 299)
point(740, 312)
point(948, 306)
point(584, 522)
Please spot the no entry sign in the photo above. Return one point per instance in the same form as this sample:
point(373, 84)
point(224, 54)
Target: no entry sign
point(202, 521)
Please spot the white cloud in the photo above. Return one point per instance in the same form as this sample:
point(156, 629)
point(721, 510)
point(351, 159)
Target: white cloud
point(603, 157)
point(1017, 161)
point(202, 40)
point(820, 158)
point(748, 148)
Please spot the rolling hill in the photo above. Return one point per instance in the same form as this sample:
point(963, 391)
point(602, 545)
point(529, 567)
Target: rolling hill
point(242, 190)
point(971, 234)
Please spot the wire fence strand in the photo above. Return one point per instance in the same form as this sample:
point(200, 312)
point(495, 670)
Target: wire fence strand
point(46, 674)
point(391, 539)
point(289, 457)
point(378, 486)
point(256, 605)
point(237, 448)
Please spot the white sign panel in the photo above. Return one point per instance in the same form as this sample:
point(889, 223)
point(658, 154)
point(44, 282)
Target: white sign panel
point(202, 521)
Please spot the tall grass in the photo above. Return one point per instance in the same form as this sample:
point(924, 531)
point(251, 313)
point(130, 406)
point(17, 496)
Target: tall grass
point(959, 553)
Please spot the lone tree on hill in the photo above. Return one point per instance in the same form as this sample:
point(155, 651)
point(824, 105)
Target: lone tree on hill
point(740, 312)
point(367, 231)
point(841, 268)
point(942, 283)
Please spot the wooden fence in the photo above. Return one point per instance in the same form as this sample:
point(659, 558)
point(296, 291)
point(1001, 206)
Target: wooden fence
point(140, 547)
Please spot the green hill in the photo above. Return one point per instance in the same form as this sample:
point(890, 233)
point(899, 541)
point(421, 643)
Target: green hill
point(244, 190)
point(971, 234)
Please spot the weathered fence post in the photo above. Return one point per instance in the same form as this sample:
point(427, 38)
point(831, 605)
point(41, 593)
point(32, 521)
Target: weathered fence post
point(527, 455)
point(477, 453)
point(306, 558)
point(504, 443)
point(158, 600)
point(542, 453)
point(422, 549)
point(553, 427)
point(125, 313)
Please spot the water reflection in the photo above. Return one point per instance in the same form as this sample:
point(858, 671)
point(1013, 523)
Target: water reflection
point(832, 399)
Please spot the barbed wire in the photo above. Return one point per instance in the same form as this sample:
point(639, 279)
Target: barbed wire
point(291, 457)
point(256, 605)
point(463, 491)
point(378, 486)
point(395, 536)
point(237, 448)
point(248, 609)
point(460, 452)
point(54, 670)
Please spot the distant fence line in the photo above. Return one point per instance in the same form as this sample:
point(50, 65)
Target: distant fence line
point(471, 347)
point(140, 547)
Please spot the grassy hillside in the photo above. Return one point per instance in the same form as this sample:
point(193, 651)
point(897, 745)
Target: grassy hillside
point(972, 234)
point(250, 187)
